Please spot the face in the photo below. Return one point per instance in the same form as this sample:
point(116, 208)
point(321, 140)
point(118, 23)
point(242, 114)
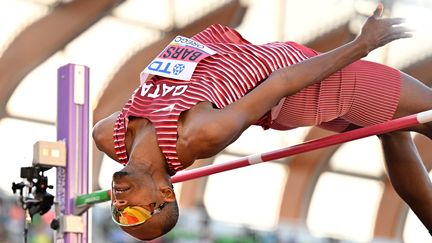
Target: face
point(132, 187)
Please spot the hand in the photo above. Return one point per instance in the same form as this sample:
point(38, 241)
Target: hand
point(378, 31)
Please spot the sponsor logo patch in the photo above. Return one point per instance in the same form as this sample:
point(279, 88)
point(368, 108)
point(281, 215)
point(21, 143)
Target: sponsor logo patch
point(178, 60)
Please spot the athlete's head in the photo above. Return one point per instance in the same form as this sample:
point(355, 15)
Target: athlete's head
point(142, 207)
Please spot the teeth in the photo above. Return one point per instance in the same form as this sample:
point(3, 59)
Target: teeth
point(121, 190)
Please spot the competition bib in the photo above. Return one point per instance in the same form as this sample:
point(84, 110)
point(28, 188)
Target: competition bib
point(178, 60)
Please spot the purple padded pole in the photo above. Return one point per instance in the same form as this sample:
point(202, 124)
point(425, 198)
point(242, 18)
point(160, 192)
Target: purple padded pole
point(73, 127)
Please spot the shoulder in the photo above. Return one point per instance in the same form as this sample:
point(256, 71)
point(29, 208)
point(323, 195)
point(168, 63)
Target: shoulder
point(105, 126)
point(103, 135)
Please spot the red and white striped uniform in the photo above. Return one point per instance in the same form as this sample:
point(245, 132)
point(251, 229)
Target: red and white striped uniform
point(236, 68)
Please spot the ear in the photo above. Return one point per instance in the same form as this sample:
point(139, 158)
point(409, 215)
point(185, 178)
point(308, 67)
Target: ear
point(167, 194)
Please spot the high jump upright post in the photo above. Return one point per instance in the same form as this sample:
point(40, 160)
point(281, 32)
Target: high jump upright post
point(73, 122)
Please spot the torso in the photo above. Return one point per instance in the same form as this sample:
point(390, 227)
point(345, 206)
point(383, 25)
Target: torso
point(219, 80)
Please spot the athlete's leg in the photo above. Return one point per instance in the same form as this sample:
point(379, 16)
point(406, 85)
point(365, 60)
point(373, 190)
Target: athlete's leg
point(408, 174)
point(406, 171)
point(424, 145)
point(415, 97)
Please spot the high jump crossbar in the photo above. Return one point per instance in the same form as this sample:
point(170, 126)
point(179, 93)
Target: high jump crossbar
point(376, 129)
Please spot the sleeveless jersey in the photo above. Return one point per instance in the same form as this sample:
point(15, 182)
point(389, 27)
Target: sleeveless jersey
point(237, 67)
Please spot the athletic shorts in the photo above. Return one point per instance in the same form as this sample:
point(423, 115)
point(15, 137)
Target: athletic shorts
point(363, 93)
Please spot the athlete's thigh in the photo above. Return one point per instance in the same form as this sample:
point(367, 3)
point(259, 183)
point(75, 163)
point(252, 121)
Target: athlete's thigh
point(415, 97)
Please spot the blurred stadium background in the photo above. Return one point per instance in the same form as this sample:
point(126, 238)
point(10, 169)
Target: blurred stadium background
point(337, 194)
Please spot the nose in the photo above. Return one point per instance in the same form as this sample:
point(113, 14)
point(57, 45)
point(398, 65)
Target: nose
point(120, 204)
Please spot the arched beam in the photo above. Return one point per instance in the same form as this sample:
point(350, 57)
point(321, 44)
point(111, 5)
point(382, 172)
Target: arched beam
point(390, 215)
point(304, 171)
point(43, 38)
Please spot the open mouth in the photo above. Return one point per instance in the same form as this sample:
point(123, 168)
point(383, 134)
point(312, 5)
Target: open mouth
point(118, 189)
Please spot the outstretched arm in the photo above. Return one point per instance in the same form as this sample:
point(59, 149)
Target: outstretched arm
point(227, 124)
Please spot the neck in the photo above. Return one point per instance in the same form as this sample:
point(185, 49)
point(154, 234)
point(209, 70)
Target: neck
point(157, 171)
point(145, 154)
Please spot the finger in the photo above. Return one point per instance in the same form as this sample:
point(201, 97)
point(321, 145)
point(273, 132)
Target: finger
point(379, 10)
point(398, 36)
point(402, 35)
point(402, 29)
point(395, 21)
